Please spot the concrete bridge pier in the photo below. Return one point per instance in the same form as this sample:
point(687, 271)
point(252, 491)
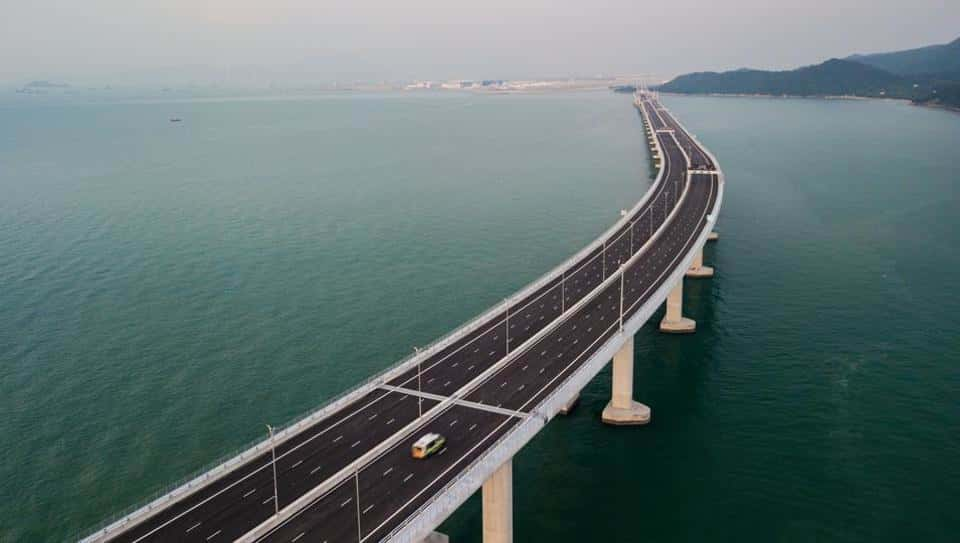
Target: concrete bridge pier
point(498, 505)
point(436, 537)
point(622, 410)
point(697, 269)
point(713, 236)
point(674, 322)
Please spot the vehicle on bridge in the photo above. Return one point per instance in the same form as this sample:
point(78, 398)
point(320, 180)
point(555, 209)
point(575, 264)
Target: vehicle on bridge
point(428, 445)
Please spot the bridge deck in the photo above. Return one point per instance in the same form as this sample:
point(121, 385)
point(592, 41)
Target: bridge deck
point(510, 362)
point(519, 385)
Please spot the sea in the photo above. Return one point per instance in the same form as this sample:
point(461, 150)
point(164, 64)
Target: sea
point(169, 288)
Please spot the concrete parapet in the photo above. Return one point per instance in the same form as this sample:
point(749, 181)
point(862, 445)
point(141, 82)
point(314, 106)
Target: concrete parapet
point(498, 505)
point(570, 406)
point(674, 322)
point(622, 410)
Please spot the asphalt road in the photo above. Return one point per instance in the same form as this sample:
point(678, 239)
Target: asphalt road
point(698, 158)
point(394, 485)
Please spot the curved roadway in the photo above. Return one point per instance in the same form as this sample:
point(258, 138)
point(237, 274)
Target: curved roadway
point(497, 371)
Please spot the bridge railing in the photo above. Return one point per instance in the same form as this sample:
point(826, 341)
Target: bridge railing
point(471, 477)
point(198, 478)
point(455, 491)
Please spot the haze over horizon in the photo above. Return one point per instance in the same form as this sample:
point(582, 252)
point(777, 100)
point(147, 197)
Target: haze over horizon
point(288, 42)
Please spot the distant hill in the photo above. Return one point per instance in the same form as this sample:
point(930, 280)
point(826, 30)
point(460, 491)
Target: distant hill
point(624, 89)
point(834, 77)
point(936, 61)
point(929, 75)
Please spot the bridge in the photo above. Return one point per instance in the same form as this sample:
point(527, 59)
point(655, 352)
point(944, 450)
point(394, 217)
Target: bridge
point(344, 473)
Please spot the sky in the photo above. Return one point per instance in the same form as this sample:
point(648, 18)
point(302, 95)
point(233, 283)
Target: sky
point(293, 42)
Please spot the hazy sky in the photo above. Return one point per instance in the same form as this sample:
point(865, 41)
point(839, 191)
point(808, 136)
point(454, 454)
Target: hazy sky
point(298, 41)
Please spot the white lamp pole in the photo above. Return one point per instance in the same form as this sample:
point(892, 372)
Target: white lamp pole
point(416, 350)
point(273, 455)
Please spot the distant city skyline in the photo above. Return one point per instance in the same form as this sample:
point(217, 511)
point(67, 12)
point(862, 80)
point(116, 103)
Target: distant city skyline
point(245, 42)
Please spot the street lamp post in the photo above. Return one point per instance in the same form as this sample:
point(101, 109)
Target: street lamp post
point(416, 351)
point(622, 285)
point(273, 455)
point(506, 325)
point(603, 263)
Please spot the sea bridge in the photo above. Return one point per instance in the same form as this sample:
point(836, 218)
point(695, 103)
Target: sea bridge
point(344, 473)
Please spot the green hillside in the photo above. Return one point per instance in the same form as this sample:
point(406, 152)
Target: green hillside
point(928, 75)
point(834, 77)
point(935, 61)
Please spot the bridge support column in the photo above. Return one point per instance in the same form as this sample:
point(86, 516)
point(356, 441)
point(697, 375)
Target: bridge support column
point(713, 236)
point(697, 269)
point(622, 410)
point(436, 537)
point(498, 505)
point(674, 321)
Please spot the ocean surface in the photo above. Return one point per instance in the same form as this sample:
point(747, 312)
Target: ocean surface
point(166, 289)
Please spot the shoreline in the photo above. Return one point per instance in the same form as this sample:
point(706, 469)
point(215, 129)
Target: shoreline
point(954, 109)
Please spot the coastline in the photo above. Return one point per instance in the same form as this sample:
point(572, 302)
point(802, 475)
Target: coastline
point(907, 101)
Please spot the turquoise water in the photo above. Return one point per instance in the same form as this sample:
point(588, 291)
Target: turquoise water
point(167, 288)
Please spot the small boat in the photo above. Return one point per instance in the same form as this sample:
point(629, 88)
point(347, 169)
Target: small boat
point(174, 120)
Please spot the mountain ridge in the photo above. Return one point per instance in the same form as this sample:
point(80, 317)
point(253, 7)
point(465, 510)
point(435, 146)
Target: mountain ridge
point(927, 75)
point(931, 60)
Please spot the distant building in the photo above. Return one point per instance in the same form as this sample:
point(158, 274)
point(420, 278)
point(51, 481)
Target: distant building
point(420, 85)
point(459, 84)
